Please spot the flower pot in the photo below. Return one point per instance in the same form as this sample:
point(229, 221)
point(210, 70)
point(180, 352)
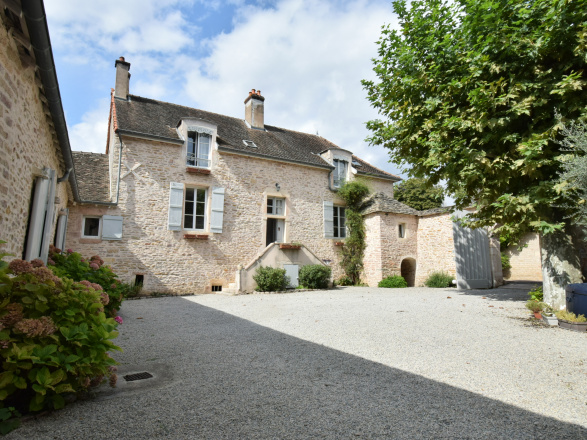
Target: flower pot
point(289, 246)
point(339, 243)
point(550, 320)
point(537, 315)
point(575, 326)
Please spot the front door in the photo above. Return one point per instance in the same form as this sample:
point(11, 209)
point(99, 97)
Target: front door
point(275, 230)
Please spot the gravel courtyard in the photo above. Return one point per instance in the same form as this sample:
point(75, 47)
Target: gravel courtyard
point(346, 363)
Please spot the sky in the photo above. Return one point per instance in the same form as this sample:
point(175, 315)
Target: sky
point(307, 57)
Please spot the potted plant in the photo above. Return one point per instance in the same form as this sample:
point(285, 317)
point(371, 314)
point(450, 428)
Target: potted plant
point(548, 316)
point(290, 245)
point(339, 243)
point(570, 321)
point(535, 307)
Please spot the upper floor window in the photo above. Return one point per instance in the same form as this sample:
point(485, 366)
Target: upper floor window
point(401, 230)
point(339, 222)
point(340, 172)
point(91, 227)
point(195, 209)
point(275, 206)
point(198, 150)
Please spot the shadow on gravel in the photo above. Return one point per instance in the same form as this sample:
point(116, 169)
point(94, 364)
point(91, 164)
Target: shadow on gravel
point(501, 293)
point(237, 379)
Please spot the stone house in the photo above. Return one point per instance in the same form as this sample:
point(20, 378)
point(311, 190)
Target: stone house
point(36, 164)
point(186, 200)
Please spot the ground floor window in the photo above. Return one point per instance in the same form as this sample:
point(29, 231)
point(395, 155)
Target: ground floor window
point(91, 227)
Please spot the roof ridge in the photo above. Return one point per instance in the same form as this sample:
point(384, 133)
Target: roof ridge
point(90, 152)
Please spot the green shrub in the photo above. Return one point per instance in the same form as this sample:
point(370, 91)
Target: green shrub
point(270, 279)
point(563, 315)
point(535, 306)
point(536, 293)
point(505, 261)
point(72, 265)
point(54, 337)
point(439, 279)
point(315, 276)
point(344, 281)
point(394, 281)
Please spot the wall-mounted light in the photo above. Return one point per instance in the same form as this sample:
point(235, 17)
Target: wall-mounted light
point(277, 187)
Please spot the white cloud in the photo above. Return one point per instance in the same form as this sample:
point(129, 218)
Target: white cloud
point(91, 133)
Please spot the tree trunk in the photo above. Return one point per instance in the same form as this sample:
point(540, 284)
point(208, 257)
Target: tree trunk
point(560, 266)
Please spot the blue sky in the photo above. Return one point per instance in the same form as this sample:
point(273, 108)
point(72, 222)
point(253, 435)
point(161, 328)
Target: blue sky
point(307, 58)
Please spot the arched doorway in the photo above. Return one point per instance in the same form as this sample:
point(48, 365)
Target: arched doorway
point(408, 271)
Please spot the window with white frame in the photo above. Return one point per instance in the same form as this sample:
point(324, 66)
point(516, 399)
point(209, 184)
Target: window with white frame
point(401, 230)
point(195, 208)
point(339, 222)
point(340, 172)
point(198, 149)
point(275, 206)
point(91, 227)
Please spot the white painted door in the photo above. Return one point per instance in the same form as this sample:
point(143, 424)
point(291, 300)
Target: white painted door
point(292, 271)
point(279, 230)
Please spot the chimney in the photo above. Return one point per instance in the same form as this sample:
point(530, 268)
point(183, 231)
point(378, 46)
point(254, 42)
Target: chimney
point(122, 78)
point(254, 109)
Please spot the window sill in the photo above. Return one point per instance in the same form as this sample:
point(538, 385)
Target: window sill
point(194, 170)
point(194, 236)
point(86, 240)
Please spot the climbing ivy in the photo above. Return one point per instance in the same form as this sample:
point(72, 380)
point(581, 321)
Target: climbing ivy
point(353, 193)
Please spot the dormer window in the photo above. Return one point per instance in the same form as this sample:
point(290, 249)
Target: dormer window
point(340, 173)
point(198, 149)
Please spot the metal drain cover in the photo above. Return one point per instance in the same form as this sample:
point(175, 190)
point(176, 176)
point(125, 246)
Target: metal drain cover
point(137, 376)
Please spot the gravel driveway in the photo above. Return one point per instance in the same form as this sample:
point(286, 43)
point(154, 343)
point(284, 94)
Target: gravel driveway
point(347, 363)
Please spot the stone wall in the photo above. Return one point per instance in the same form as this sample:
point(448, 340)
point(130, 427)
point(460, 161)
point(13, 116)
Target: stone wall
point(27, 143)
point(171, 263)
point(435, 246)
point(526, 263)
point(385, 249)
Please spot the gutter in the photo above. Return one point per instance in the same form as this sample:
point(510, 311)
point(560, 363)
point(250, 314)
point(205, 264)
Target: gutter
point(36, 22)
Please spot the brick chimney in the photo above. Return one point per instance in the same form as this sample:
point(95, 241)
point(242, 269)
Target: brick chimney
point(122, 78)
point(254, 109)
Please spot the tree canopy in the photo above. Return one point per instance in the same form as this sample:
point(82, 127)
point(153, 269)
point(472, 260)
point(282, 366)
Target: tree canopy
point(468, 92)
point(418, 194)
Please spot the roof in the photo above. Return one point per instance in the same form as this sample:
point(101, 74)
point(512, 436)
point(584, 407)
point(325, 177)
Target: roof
point(380, 202)
point(92, 176)
point(157, 119)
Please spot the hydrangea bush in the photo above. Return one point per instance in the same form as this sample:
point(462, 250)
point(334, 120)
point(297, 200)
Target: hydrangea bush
point(54, 336)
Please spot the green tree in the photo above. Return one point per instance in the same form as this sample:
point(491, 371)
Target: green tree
point(418, 194)
point(353, 193)
point(468, 92)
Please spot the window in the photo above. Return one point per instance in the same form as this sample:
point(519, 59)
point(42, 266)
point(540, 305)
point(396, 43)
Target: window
point(195, 209)
point(198, 150)
point(275, 206)
point(139, 280)
point(401, 230)
point(340, 171)
point(339, 222)
point(249, 144)
point(91, 227)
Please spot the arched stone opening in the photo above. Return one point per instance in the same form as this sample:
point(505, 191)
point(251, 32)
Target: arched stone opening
point(408, 271)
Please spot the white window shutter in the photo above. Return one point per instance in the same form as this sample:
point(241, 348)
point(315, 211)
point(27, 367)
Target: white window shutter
point(61, 230)
point(37, 219)
point(111, 227)
point(175, 206)
point(49, 216)
point(217, 210)
point(328, 220)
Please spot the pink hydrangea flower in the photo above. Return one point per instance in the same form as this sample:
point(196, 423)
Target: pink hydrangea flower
point(118, 319)
point(94, 266)
point(51, 262)
point(37, 262)
point(70, 251)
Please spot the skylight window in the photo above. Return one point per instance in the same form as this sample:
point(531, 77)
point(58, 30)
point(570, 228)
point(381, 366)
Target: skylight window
point(249, 144)
point(356, 163)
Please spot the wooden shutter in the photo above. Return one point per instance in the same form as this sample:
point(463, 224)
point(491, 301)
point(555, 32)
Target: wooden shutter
point(37, 219)
point(49, 216)
point(61, 230)
point(111, 227)
point(217, 215)
point(175, 206)
point(328, 220)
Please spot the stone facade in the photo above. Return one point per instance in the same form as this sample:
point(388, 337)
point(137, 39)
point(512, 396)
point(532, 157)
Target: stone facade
point(526, 263)
point(171, 263)
point(28, 144)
